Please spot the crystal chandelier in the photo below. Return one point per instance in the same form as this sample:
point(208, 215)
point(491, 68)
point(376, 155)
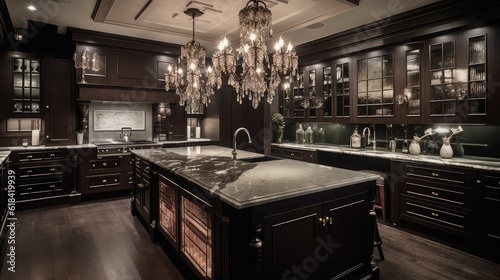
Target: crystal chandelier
point(186, 76)
point(86, 60)
point(254, 80)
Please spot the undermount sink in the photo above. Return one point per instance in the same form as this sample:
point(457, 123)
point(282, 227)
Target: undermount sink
point(259, 159)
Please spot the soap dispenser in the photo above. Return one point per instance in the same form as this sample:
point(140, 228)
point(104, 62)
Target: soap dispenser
point(355, 139)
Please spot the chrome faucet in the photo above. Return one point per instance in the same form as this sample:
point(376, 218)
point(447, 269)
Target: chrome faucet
point(368, 141)
point(234, 139)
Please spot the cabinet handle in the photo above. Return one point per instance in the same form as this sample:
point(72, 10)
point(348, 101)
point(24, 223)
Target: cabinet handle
point(48, 136)
point(47, 107)
point(435, 214)
point(29, 171)
point(116, 163)
point(29, 189)
point(435, 174)
point(52, 155)
point(104, 164)
point(52, 186)
point(292, 154)
point(29, 157)
point(321, 220)
point(116, 180)
point(479, 182)
point(310, 156)
point(435, 194)
point(104, 181)
point(93, 165)
point(52, 169)
point(140, 185)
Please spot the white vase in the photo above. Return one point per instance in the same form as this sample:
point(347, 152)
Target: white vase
point(79, 138)
point(415, 146)
point(446, 150)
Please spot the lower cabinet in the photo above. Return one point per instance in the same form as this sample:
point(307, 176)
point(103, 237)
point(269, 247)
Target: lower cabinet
point(488, 186)
point(298, 154)
point(42, 177)
point(326, 234)
point(4, 197)
point(142, 189)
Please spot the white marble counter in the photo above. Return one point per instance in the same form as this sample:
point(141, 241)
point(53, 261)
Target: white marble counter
point(482, 163)
point(244, 184)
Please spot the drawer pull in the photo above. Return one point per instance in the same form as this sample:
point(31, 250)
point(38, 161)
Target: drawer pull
point(29, 189)
point(435, 174)
point(52, 186)
point(104, 164)
point(116, 163)
point(52, 155)
point(116, 180)
point(292, 154)
point(479, 182)
point(29, 157)
point(435, 194)
point(52, 169)
point(29, 171)
point(140, 185)
point(93, 165)
point(435, 214)
point(104, 181)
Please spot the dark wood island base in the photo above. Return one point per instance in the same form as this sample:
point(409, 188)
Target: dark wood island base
point(220, 234)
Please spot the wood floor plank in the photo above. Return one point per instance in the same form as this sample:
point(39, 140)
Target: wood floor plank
point(101, 240)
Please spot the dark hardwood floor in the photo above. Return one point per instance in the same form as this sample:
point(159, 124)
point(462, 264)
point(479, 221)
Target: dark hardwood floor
point(101, 240)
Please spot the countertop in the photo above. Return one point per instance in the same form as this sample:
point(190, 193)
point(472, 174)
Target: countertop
point(482, 163)
point(244, 184)
point(90, 145)
point(3, 156)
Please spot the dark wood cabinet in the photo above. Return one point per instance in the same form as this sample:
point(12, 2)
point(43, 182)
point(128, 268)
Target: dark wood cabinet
point(298, 154)
point(168, 203)
point(488, 201)
point(59, 105)
point(142, 189)
point(437, 197)
point(326, 234)
point(4, 196)
point(42, 176)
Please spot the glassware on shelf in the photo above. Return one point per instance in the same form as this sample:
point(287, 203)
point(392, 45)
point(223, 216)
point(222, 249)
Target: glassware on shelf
point(18, 65)
point(18, 106)
point(34, 66)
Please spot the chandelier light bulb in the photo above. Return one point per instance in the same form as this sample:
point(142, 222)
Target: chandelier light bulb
point(192, 66)
point(290, 47)
point(281, 42)
point(253, 37)
point(169, 68)
point(179, 71)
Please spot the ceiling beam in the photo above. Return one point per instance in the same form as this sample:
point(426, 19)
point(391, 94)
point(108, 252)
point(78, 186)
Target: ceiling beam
point(355, 2)
point(101, 10)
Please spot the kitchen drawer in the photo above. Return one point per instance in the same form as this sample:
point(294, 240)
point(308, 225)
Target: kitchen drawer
point(436, 174)
point(490, 182)
point(437, 217)
point(274, 151)
point(40, 187)
point(110, 150)
point(40, 171)
point(298, 154)
point(108, 163)
point(29, 156)
point(103, 181)
point(446, 194)
point(53, 154)
point(146, 168)
point(130, 178)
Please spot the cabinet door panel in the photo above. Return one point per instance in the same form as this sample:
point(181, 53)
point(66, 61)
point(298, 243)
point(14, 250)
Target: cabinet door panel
point(294, 234)
point(348, 221)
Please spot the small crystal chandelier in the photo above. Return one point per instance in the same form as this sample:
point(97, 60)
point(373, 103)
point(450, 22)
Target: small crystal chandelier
point(186, 76)
point(254, 80)
point(86, 60)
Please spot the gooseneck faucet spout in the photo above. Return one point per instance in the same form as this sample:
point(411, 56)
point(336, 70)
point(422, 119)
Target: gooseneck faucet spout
point(234, 139)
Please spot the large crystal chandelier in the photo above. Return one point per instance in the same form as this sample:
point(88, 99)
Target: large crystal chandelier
point(254, 80)
point(186, 76)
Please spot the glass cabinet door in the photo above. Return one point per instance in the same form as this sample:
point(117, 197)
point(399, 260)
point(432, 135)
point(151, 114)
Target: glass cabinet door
point(342, 90)
point(313, 101)
point(26, 85)
point(327, 92)
point(298, 96)
point(376, 86)
point(412, 90)
point(477, 75)
point(442, 79)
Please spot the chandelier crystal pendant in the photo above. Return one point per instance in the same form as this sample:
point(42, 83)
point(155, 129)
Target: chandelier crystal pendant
point(255, 79)
point(186, 76)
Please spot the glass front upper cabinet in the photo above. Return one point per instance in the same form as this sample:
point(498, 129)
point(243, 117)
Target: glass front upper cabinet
point(477, 75)
point(26, 85)
point(327, 92)
point(312, 103)
point(342, 94)
point(412, 90)
point(443, 76)
point(298, 95)
point(376, 86)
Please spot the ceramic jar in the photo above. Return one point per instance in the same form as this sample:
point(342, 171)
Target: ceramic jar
point(446, 150)
point(309, 135)
point(415, 146)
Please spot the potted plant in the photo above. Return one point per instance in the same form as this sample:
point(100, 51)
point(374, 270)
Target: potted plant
point(278, 126)
point(79, 134)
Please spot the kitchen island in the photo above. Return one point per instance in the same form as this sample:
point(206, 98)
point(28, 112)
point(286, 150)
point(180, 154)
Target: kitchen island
point(256, 217)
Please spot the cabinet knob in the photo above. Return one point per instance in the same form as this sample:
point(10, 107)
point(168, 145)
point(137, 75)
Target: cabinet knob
point(93, 165)
point(116, 180)
point(47, 107)
point(292, 154)
point(52, 169)
point(29, 171)
point(321, 220)
point(479, 182)
point(435, 214)
point(52, 186)
point(104, 164)
point(104, 181)
point(29, 157)
point(435, 174)
point(52, 155)
point(47, 136)
point(116, 163)
point(140, 185)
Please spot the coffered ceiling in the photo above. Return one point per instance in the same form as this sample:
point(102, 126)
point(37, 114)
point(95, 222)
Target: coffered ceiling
point(164, 20)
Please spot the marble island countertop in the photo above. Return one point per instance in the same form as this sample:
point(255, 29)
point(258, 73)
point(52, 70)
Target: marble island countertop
point(482, 163)
point(242, 183)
